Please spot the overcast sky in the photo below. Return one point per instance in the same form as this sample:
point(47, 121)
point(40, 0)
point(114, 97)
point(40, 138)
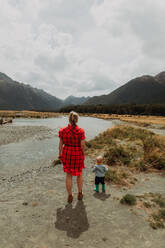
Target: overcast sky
point(81, 47)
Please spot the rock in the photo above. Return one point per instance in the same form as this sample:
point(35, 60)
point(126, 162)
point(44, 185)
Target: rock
point(104, 239)
point(34, 204)
point(56, 162)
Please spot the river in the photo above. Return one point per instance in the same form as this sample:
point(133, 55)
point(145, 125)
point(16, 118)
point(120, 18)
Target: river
point(35, 152)
point(32, 153)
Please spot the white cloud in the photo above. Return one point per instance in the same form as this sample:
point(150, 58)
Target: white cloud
point(81, 47)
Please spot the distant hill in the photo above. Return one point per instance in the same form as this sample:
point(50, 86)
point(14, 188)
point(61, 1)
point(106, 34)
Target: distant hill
point(141, 90)
point(72, 100)
point(19, 96)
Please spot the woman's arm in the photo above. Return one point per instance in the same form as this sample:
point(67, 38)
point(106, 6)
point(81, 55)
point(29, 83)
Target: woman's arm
point(60, 147)
point(83, 146)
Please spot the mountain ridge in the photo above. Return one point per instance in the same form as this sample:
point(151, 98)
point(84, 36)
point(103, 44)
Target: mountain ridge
point(19, 96)
point(141, 90)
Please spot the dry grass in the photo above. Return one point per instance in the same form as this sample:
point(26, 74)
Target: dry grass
point(140, 120)
point(120, 176)
point(27, 114)
point(152, 204)
point(134, 147)
point(128, 199)
point(128, 150)
point(156, 213)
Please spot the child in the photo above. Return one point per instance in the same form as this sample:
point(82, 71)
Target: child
point(99, 170)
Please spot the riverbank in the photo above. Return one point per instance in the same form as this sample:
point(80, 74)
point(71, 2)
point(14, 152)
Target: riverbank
point(13, 134)
point(27, 114)
point(141, 120)
point(34, 209)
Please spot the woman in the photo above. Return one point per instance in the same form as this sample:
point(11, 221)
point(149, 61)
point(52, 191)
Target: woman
point(71, 153)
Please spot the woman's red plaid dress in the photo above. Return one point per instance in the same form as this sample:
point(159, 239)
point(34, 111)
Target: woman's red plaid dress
point(72, 155)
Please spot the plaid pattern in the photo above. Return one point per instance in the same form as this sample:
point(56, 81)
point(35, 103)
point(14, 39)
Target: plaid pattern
point(72, 154)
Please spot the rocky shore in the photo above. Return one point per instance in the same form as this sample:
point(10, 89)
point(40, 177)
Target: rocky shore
point(14, 134)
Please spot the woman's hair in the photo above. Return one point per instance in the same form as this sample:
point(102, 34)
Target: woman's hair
point(73, 118)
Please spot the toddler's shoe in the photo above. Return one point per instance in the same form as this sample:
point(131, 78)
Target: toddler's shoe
point(96, 188)
point(103, 188)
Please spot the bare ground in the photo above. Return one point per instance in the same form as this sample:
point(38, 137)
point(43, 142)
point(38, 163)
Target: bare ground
point(34, 213)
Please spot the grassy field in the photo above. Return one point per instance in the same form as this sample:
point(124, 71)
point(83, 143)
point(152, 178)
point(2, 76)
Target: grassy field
point(27, 114)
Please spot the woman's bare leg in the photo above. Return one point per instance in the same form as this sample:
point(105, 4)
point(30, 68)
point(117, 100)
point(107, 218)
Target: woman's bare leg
point(79, 183)
point(69, 183)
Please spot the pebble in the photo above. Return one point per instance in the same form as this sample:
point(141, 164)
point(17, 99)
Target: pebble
point(34, 204)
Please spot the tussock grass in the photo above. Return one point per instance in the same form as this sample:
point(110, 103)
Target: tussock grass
point(154, 206)
point(157, 219)
point(118, 154)
point(159, 201)
point(135, 147)
point(120, 176)
point(128, 199)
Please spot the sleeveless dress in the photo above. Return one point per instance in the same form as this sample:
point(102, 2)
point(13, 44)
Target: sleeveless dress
point(72, 155)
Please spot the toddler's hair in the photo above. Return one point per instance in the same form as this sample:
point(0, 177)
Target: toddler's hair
point(99, 159)
point(73, 118)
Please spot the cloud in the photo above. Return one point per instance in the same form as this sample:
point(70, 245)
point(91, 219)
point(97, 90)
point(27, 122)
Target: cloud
point(85, 47)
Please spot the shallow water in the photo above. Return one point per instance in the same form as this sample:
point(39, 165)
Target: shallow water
point(32, 153)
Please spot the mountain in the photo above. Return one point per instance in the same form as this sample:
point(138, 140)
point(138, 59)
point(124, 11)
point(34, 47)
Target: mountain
point(72, 100)
point(19, 96)
point(141, 90)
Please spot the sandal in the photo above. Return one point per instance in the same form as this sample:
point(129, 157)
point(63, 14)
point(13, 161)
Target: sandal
point(70, 199)
point(80, 196)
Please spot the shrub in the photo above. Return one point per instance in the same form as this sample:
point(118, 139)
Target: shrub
point(141, 165)
point(159, 201)
point(128, 199)
point(142, 149)
point(128, 132)
point(158, 219)
point(162, 213)
point(147, 204)
point(119, 154)
point(156, 158)
point(112, 176)
point(157, 224)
